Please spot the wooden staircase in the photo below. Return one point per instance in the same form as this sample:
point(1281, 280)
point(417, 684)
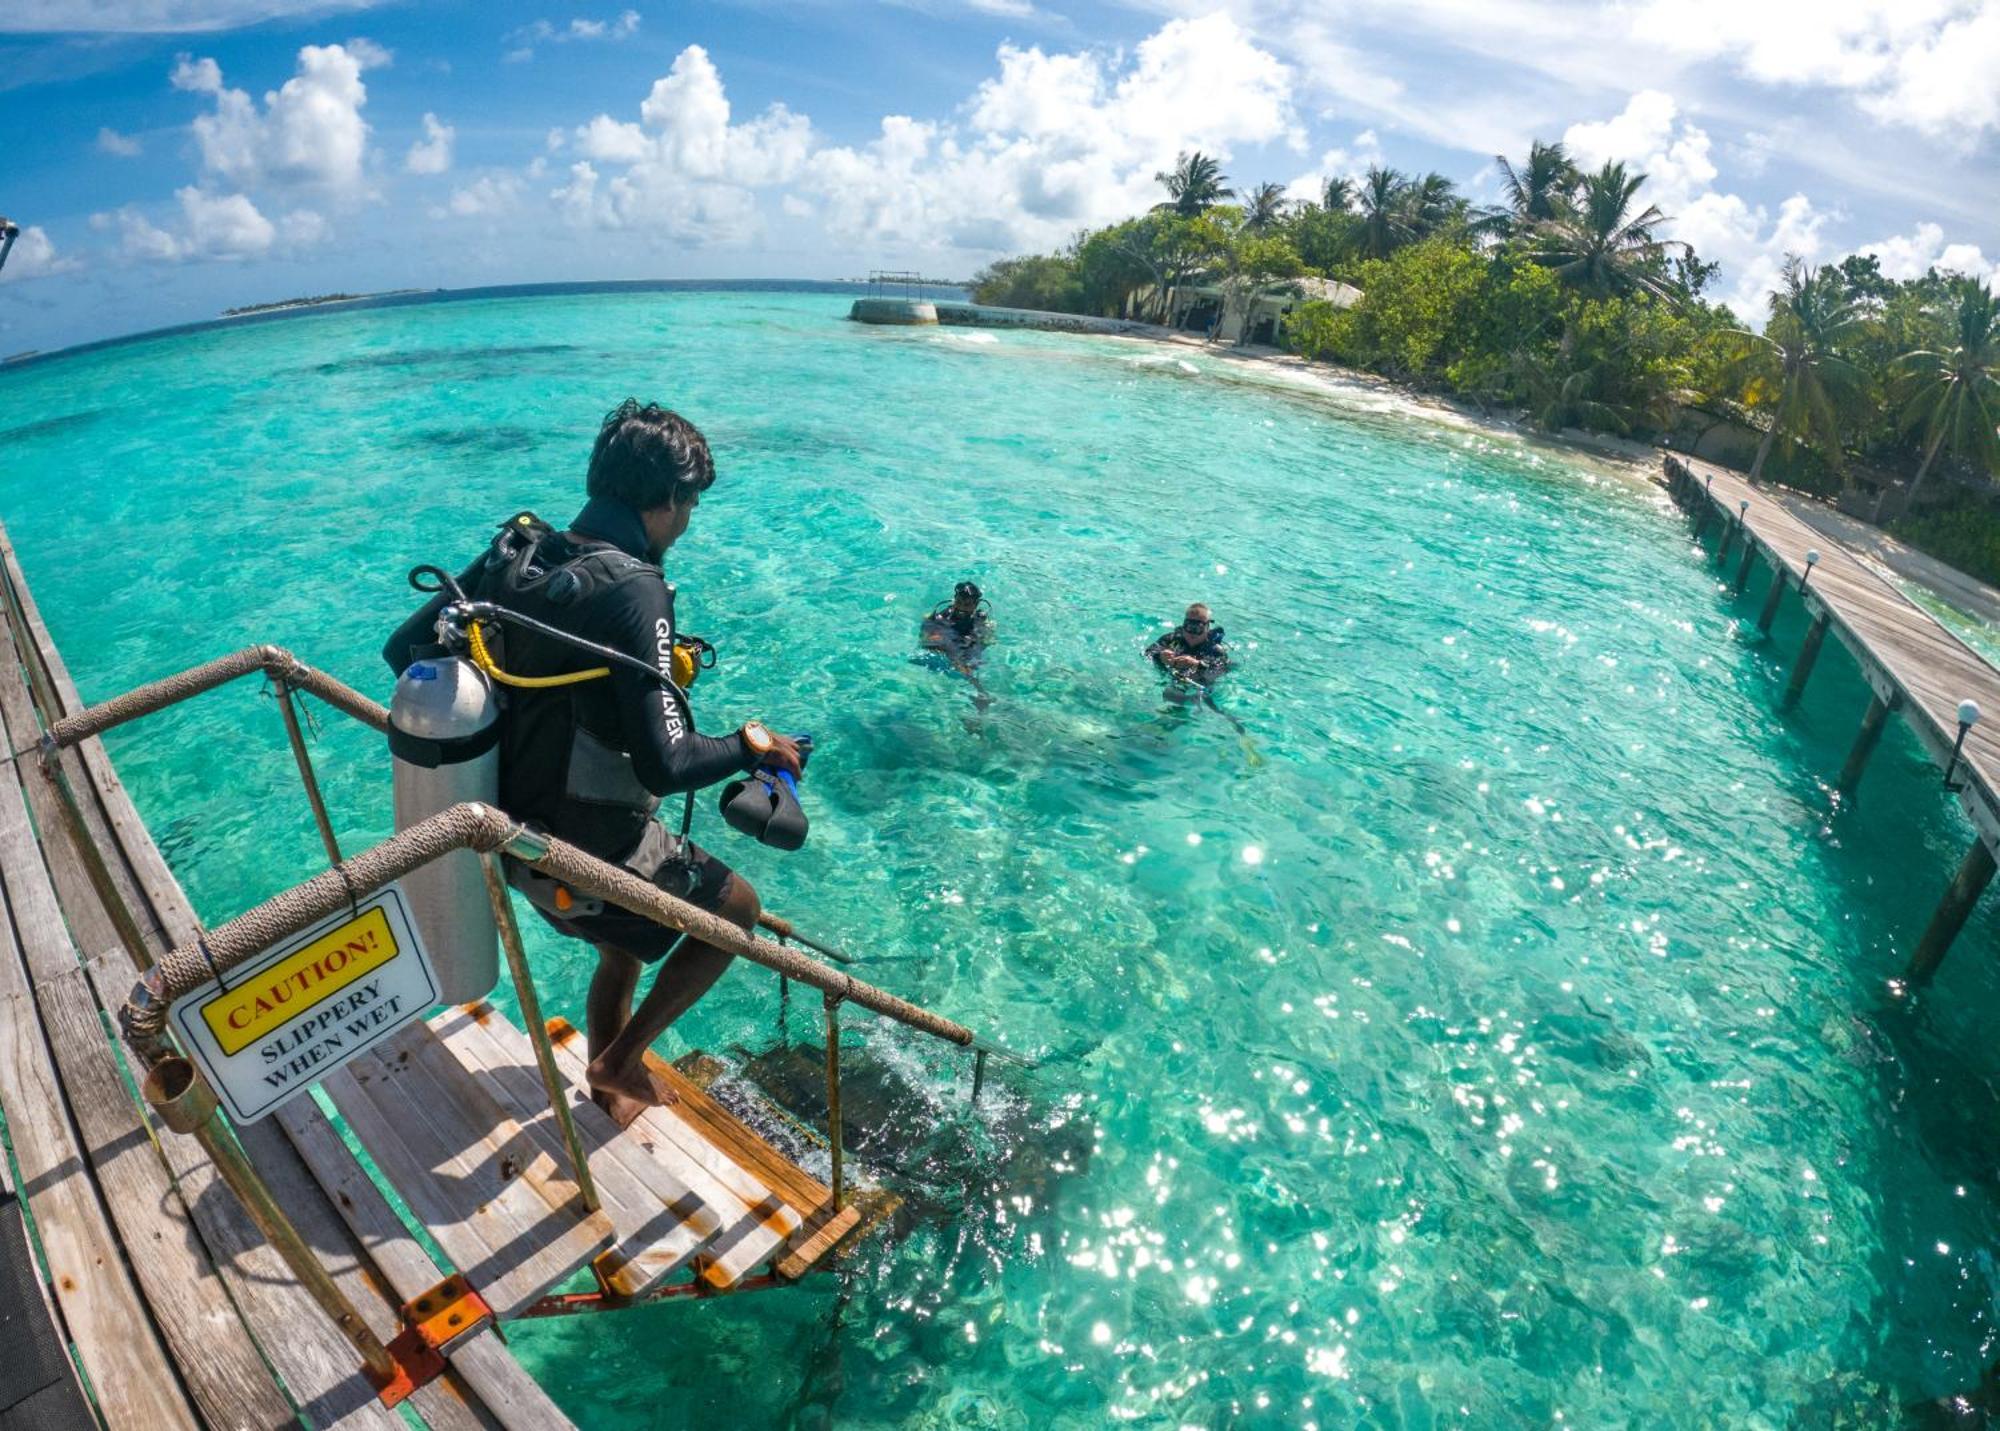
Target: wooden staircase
point(455, 1115)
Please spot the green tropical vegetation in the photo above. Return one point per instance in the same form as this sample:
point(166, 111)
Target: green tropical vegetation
point(1567, 304)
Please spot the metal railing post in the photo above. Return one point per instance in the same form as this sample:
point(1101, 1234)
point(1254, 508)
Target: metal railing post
point(298, 740)
point(185, 1103)
point(833, 1091)
point(538, 1032)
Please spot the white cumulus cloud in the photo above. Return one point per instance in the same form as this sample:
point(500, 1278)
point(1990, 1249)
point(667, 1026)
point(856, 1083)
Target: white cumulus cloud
point(34, 256)
point(110, 141)
point(1048, 143)
point(1054, 142)
point(308, 133)
point(209, 226)
point(1929, 64)
point(1916, 253)
point(432, 153)
point(688, 169)
point(1650, 135)
point(487, 196)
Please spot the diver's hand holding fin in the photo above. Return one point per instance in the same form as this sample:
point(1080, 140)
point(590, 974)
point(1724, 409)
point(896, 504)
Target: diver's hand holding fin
point(765, 805)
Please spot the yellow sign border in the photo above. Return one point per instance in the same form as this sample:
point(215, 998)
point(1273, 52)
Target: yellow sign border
point(290, 971)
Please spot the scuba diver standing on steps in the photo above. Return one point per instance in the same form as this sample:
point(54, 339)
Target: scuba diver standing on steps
point(587, 749)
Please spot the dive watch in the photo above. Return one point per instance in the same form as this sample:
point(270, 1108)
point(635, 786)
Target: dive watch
point(758, 739)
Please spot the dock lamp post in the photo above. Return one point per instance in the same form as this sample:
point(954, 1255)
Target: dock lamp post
point(1968, 717)
point(1812, 560)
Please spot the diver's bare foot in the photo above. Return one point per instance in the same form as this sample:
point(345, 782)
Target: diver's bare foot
point(624, 1092)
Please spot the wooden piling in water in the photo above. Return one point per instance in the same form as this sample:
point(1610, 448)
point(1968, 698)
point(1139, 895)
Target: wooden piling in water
point(1913, 665)
point(1974, 873)
point(1866, 739)
point(1808, 654)
point(1777, 594)
point(1729, 531)
point(1743, 567)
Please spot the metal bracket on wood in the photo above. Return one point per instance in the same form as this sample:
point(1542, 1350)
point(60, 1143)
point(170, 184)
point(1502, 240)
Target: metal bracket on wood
point(433, 1324)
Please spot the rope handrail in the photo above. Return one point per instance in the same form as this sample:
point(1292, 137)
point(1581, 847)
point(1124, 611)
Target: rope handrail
point(281, 666)
point(274, 661)
point(473, 826)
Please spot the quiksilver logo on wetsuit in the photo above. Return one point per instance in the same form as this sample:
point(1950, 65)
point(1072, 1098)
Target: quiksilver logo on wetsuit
point(663, 657)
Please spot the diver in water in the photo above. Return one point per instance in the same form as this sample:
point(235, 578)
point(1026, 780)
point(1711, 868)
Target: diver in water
point(1194, 653)
point(959, 631)
point(590, 760)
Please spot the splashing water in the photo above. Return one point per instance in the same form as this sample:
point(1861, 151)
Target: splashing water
point(1507, 1042)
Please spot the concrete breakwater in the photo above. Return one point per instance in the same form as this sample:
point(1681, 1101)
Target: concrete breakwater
point(904, 312)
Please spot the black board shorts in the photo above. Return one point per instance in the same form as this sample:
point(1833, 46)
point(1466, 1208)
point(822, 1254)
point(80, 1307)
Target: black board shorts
point(692, 874)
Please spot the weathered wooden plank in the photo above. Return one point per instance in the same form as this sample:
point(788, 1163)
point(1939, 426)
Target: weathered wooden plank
point(130, 1374)
point(219, 1361)
point(496, 1204)
point(660, 1223)
point(321, 1371)
point(674, 1123)
point(114, 828)
point(56, 695)
point(745, 1243)
point(180, 1280)
point(823, 1239)
point(509, 1395)
point(804, 1193)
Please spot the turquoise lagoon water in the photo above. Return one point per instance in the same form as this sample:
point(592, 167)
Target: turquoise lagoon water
point(1501, 1037)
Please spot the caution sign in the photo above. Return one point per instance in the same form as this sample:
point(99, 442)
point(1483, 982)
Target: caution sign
point(289, 1017)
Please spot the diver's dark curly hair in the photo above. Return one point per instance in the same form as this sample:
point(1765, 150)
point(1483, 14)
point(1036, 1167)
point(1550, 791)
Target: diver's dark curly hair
point(648, 457)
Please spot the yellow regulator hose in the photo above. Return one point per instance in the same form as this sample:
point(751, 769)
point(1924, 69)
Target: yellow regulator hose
point(483, 659)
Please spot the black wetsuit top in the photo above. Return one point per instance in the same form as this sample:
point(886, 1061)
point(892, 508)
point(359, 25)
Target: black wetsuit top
point(1213, 654)
point(964, 637)
point(626, 605)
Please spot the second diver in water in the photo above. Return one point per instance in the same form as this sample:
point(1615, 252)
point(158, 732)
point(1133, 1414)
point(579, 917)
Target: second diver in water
point(958, 633)
point(1194, 654)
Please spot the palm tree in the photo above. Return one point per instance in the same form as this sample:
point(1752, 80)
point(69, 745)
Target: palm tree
point(1597, 243)
point(1811, 318)
point(1196, 182)
point(1955, 392)
point(1537, 191)
point(1264, 207)
point(1431, 203)
point(1338, 195)
point(1385, 224)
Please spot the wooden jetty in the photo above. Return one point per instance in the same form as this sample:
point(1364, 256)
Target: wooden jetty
point(1914, 665)
point(191, 1272)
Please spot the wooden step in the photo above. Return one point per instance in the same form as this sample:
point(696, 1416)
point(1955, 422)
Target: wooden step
point(762, 1222)
point(822, 1225)
point(871, 1205)
point(503, 1210)
point(660, 1222)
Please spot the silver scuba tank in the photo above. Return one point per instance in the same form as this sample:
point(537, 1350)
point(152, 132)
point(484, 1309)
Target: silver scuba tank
point(444, 732)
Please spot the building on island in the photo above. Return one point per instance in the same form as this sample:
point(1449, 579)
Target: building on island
point(1205, 308)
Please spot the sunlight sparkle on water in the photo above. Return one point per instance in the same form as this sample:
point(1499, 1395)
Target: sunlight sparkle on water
point(1593, 962)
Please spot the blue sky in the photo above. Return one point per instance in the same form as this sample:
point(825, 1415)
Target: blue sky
point(168, 158)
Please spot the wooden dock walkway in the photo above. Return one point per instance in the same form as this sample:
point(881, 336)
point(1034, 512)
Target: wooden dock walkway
point(1914, 665)
point(154, 1278)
